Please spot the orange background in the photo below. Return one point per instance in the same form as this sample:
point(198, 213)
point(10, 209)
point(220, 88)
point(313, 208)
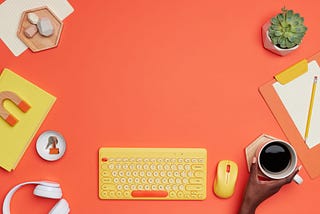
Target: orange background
point(158, 74)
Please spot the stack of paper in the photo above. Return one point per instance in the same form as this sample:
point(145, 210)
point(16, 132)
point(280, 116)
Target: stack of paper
point(296, 96)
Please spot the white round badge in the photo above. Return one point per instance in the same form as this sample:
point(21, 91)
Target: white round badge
point(51, 145)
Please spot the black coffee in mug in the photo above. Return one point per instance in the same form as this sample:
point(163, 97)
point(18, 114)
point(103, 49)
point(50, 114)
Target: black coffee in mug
point(275, 157)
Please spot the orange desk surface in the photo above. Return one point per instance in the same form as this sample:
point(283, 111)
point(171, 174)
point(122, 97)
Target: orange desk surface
point(158, 74)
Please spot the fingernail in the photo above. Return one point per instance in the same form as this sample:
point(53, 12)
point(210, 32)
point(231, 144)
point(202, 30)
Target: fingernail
point(254, 160)
point(300, 167)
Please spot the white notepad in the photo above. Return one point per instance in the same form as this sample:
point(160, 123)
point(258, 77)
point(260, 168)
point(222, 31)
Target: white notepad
point(10, 15)
point(296, 96)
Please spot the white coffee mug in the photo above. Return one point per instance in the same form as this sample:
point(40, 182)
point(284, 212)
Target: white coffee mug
point(277, 159)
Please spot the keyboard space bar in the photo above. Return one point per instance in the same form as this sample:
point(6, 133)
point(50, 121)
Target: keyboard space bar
point(149, 193)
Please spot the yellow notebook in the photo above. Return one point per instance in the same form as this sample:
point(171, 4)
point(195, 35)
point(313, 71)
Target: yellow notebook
point(15, 137)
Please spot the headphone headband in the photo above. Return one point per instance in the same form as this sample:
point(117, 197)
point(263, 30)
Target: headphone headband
point(46, 189)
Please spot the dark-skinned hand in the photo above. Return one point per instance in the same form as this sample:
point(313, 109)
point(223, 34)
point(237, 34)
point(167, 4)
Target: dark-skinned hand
point(258, 190)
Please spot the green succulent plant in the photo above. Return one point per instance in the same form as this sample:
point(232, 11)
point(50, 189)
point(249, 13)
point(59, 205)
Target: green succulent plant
point(287, 29)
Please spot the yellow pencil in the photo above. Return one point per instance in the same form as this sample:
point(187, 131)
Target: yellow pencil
point(314, 86)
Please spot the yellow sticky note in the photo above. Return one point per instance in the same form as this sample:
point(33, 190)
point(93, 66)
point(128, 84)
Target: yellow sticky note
point(292, 72)
point(14, 140)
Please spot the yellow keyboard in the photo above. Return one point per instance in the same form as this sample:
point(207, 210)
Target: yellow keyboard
point(152, 173)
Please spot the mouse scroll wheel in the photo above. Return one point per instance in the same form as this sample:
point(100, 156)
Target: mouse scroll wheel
point(228, 168)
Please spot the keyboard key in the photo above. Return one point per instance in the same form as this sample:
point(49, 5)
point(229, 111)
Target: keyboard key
point(107, 180)
point(199, 174)
point(194, 187)
point(148, 193)
point(196, 181)
point(108, 187)
point(197, 167)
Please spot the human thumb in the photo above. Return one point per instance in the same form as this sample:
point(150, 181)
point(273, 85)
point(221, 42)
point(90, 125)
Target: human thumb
point(253, 167)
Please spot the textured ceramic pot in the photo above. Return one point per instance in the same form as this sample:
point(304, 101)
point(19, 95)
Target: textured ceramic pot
point(267, 43)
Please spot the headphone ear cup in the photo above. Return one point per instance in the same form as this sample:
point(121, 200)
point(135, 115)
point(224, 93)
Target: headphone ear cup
point(61, 207)
point(48, 191)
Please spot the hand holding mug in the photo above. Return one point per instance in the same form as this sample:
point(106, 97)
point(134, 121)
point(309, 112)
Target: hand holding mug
point(277, 160)
point(258, 190)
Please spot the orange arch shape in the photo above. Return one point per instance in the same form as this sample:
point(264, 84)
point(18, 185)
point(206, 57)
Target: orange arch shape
point(13, 97)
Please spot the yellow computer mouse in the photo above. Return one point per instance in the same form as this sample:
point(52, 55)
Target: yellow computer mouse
point(226, 178)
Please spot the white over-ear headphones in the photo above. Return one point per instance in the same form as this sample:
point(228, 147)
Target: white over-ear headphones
point(46, 189)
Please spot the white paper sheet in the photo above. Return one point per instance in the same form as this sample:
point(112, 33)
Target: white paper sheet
point(10, 15)
point(296, 96)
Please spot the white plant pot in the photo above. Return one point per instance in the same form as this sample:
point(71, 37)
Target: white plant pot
point(267, 43)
